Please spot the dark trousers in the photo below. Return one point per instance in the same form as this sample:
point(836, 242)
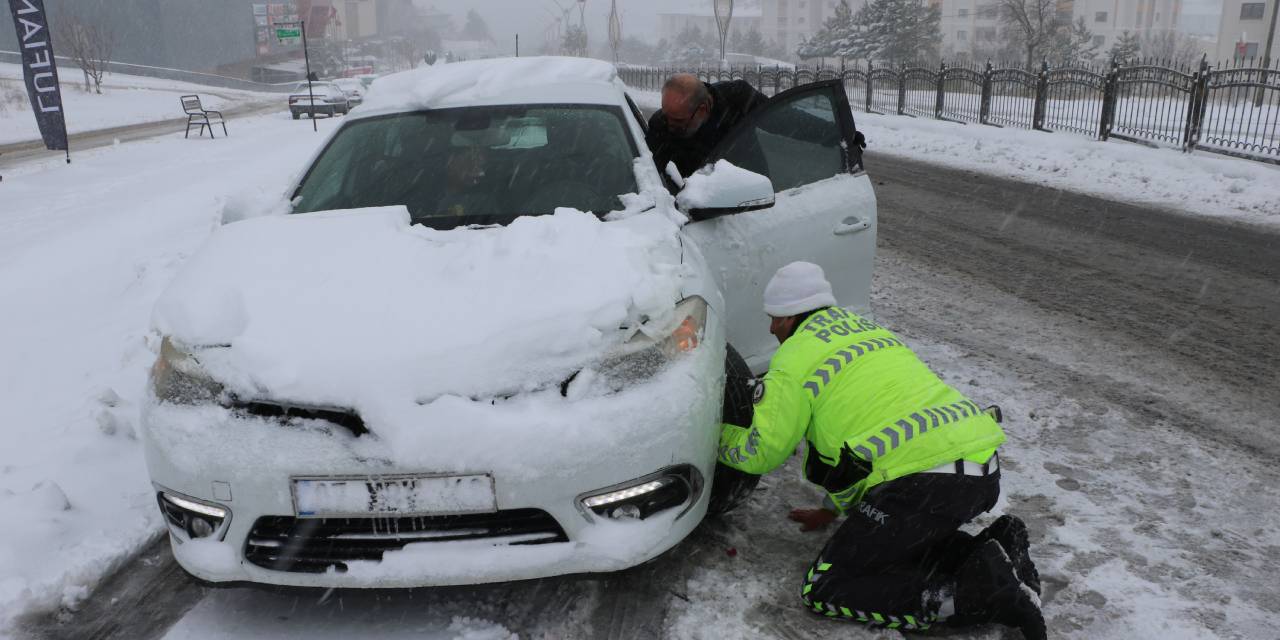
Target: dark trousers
point(902, 540)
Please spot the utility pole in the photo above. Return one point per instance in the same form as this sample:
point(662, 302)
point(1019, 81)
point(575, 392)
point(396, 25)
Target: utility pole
point(1266, 54)
point(723, 10)
point(615, 30)
point(311, 95)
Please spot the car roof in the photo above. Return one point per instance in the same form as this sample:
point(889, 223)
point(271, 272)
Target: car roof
point(497, 81)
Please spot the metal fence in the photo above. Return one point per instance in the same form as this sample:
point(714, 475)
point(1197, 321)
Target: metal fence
point(1230, 109)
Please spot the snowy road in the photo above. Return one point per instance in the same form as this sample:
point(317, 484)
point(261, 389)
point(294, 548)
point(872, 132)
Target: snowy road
point(1134, 353)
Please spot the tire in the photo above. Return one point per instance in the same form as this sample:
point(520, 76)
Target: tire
point(296, 115)
point(731, 487)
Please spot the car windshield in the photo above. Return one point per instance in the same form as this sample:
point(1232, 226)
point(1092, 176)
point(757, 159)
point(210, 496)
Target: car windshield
point(476, 165)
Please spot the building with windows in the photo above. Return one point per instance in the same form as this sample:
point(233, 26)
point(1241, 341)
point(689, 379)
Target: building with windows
point(790, 22)
point(1109, 19)
point(972, 28)
point(1242, 30)
point(676, 17)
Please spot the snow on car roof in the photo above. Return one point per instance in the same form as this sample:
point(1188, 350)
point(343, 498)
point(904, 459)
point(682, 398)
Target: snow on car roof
point(496, 81)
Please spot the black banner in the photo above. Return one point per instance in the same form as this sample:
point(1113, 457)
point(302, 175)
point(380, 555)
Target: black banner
point(40, 71)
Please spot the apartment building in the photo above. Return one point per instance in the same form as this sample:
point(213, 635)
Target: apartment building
point(1109, 19)
point(1243, 28)
point(674, 18)
point(971, 28)
point(790, 22)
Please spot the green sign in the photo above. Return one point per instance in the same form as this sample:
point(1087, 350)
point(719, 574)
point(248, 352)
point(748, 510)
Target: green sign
point(288, 34)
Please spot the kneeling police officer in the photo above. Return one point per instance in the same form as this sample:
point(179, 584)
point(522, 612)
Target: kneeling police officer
point(906, 457)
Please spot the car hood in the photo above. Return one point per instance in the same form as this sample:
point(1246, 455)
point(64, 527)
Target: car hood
point(346, 308)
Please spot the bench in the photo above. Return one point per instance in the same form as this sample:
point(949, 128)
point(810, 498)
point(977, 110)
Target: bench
point(197, 114)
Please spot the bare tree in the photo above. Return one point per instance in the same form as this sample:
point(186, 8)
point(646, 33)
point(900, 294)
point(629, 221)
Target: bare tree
point(1179, 49)
point(1033, 23)
point(90, 42)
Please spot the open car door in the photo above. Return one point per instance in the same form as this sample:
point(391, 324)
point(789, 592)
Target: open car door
point(803, 140)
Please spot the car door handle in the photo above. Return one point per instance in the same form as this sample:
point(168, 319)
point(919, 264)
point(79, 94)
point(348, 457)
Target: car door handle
point(850, 225)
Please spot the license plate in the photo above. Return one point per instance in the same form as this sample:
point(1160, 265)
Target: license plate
point(400, 495)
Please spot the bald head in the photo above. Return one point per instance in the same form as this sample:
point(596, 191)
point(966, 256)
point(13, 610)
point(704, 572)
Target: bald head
point(686, 104)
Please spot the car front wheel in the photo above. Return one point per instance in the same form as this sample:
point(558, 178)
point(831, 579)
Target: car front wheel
point(731, 487)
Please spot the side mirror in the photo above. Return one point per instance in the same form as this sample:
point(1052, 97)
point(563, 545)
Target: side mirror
point(722, 188)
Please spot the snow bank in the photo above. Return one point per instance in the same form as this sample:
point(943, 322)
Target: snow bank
point(1200, 182)
point(487, 81)
point(80, 271)
point(407, 325)
point(342, 308)
point(125, 100)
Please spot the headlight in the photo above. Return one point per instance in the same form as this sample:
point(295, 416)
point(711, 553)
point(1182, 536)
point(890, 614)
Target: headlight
point(178, 377)
point(645, 354)
point(192, 518)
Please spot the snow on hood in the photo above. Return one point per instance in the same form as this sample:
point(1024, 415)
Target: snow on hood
point(344, 308)
point(513, 80)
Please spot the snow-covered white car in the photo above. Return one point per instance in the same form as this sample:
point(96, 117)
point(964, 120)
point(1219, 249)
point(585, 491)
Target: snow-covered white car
point(486, 343)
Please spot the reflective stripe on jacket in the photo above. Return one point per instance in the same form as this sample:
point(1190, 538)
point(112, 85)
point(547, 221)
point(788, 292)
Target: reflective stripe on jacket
point(870, 410)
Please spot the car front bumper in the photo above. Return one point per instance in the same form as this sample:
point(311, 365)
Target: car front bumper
point(244, 464)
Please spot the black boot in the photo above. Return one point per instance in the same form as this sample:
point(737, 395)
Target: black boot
point(1011, 533)
point(988, 590)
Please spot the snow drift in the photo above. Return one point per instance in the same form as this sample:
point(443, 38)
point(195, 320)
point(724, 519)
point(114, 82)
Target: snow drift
point(343, 308)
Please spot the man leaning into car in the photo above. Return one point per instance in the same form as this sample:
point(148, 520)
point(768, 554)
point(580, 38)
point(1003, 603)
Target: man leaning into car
point(695, 116)
point(908, 458)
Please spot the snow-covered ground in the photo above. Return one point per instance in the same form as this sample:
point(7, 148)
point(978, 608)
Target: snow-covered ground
point(125, 100)
point(85, 250)
point(1129, 545)
point(1200, 183)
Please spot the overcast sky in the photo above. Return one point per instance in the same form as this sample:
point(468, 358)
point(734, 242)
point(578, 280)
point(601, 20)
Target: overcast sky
point(530, 18)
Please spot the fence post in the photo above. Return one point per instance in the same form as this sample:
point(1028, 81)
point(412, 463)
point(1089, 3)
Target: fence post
point(1042, 96)
point(984, 107)
point(869, 68)
point(939, 103)
point(777, 78)
point(902, 88)
point(1195, 110)
point(1108, 101)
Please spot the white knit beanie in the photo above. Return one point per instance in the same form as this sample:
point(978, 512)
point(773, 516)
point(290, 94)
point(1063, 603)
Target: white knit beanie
point(797, 288)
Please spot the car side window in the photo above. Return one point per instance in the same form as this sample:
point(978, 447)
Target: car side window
point(794, 141)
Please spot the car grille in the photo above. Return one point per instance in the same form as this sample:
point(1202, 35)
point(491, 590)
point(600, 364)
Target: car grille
point(313, 545)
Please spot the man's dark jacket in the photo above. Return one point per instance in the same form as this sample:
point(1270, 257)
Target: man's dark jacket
point(731, 101)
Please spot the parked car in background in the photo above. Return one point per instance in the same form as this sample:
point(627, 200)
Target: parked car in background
point(354, 89)
point(320, 98)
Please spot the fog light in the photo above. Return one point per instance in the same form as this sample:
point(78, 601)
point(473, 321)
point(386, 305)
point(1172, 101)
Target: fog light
point(645, 496)
point(200, 528)
point(625, 512)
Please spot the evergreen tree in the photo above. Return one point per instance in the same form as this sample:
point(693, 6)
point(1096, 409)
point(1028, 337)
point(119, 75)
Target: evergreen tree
point(753, 43)
point(575, 41)
point(692, 47)
point(890, 30)
point(834, 32)
point(1073, 45)
point(476, 28)
point(1126, 48)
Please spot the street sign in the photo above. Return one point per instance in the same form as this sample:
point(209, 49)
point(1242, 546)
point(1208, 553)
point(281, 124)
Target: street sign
point(288, 34)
